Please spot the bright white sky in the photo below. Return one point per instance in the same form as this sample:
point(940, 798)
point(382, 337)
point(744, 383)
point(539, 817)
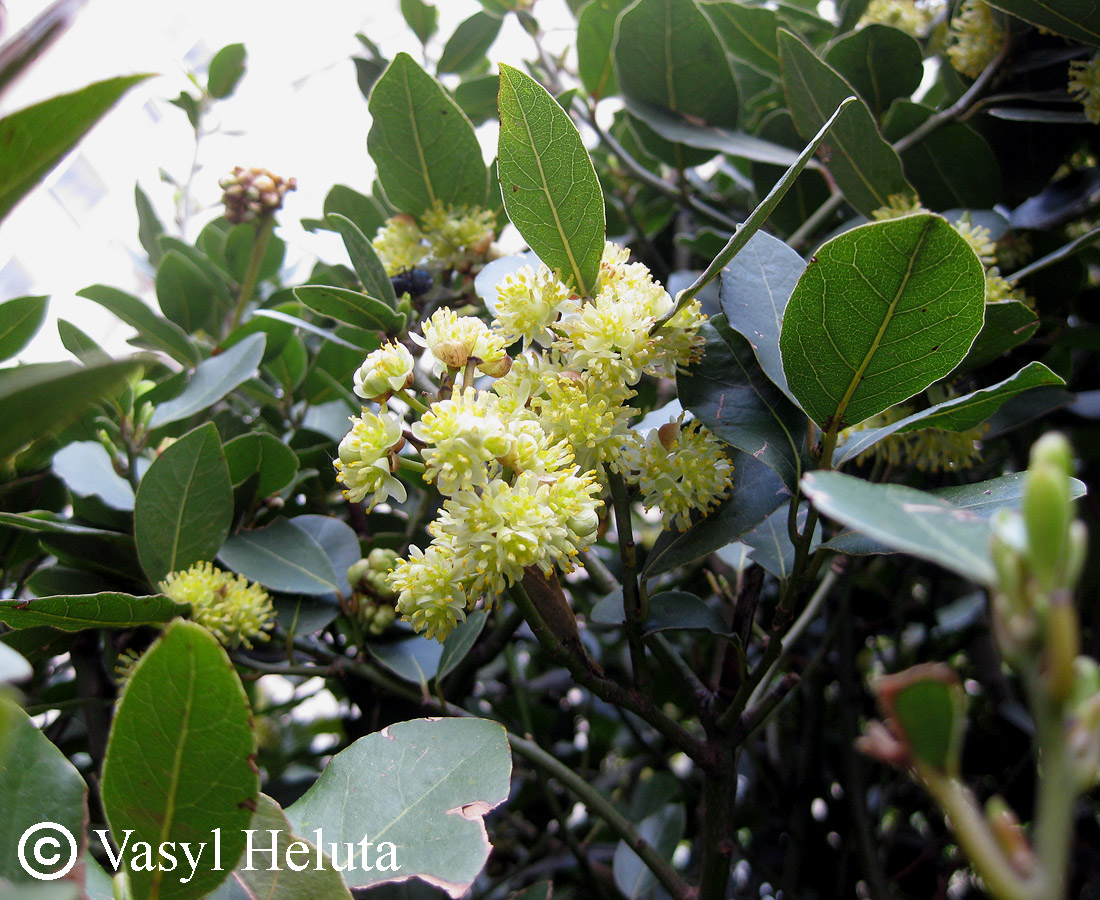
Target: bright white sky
point(297, 112)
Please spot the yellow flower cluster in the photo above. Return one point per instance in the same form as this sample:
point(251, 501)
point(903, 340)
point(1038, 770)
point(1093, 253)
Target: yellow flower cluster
point(235, 610)
point(1084, 84)
point(520, 463)
point(446, 237)
point(914, 17)
point(975, 38)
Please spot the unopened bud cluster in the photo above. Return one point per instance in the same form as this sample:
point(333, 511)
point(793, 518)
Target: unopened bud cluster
point(522, 462)
point(373, 598)
point(252, 194)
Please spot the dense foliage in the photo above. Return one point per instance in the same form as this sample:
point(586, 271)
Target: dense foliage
point(609, 556)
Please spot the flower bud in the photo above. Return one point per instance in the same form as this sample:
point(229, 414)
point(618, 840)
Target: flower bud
point(1063, 641)
point(1048, 510)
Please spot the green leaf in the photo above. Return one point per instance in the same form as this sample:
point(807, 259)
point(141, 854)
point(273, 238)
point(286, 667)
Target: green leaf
point(184, 505)
point(906, 520)
point(76, 612)
point(353, 307)
point(423, 145)
point(595, 36)
point(663, 830)
point(543, 890)
point(668, 55)
point(78, 343)
point(414, 659)
point(771, 544)
point(550, 189)
point(469, 43)
point(35, 139)
point(733, 398)
point(366, 212)
point(668, 611)
point(1078, 19)
point(737, 144)
point(86, 469)
point(865, 167)
point(422, 786)
point(460, 641)
point(257, 877)
point(337, 540)
point(42, 398)
point(421, 17)
point(367, 265)
point(982, 498)
point(478, 98)
point(880, 62)
point(225, 71)
point(239, 243)
point(754, 291)
point(1008, 323)
point(149, 226)
point(928, 706)
point(757, 491)
point(20, 320)
point(881, 312)
point(159, 333)
point(283, 558)
point(748, 32)
point(212, 379)
point(180, 759)
point(957, 414)
point(954, 166)
point(186, 296)
point(263, 455)
point(37, 784)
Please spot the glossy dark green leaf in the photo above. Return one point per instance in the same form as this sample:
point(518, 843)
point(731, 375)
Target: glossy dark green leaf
point(35, 139)
point(757, 491)
point(424, 147)
point(421, 17)
point(668, 611)
point(37, 784)
point(470, 42)
point(283, 558)
point(954, 166)
point(663, 831)
point(748, 32)
point(668, 55)
point(77, 612)
point(881, 63)
point(226, 70)
point(180, 761)
point(460, 641)
point(337, 540)
point(184, 505)
point(595, 36)
point(157, 332)
point(263, 455)
point(365, 261)
point(414, 659)
point(881, 312)
point(212, 379)
point(1077, 19)
point(1008, 323)
point(256, 878)
point(403, 786)
point(771, 543)
point(729, 394)
point(865, 167)
point(20, 320)
point(957, 414)
point(907, 520)
point(42, 398)
point(353, 307)
point(239, 244)
point(755, 288)
point(550, 188)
